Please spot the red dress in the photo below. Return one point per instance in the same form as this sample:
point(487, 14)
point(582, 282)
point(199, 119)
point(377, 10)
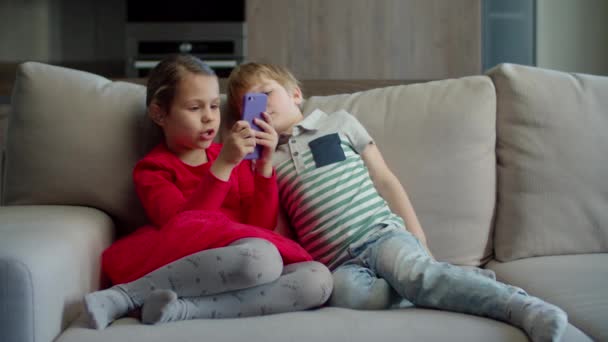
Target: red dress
point(191, 210)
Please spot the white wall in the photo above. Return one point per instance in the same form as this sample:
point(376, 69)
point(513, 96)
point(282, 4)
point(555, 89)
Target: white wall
point(572, 35)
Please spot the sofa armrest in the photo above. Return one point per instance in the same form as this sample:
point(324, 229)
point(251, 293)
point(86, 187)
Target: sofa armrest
point(49, 258)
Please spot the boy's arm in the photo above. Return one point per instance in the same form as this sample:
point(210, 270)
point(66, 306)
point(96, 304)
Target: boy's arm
point(392, 191)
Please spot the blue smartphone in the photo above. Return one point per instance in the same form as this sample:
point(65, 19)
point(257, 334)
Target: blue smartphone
point(253, 106)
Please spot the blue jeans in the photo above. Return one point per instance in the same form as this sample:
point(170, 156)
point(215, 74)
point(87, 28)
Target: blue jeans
point(394, 265)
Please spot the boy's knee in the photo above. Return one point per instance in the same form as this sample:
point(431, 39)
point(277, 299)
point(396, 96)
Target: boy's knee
point(358, 288)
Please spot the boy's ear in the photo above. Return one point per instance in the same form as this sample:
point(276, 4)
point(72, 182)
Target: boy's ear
point(157, 114)
point(297, 95)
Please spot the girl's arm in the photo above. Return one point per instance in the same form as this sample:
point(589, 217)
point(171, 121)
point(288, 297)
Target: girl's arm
point(162, 199)
point(214, 184)
point(263, 203)
point(392, 191)
point(210, 193)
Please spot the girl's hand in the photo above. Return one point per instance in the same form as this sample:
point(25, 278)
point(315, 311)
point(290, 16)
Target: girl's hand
point(268, 139)
point(240, 141)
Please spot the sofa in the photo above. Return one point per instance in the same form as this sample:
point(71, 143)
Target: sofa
point(505, 170)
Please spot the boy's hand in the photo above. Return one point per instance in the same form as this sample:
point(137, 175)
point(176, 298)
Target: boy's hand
point(240, 141)
point(268, 139)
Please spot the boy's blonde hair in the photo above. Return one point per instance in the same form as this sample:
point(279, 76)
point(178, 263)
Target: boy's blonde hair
point(246, 75)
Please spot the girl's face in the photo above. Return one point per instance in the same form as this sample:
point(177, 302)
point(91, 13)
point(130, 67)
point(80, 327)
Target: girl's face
point(193, 119)
point(283, 104)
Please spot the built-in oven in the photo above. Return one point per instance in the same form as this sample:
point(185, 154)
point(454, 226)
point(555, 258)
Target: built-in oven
point(214, 31)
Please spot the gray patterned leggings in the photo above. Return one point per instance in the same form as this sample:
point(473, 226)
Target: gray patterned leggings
point(246, 278)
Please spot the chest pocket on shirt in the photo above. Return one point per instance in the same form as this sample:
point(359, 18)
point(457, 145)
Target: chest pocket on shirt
point(327, 150)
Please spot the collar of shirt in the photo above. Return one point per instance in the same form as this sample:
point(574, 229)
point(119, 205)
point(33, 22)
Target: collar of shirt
point(309, 123)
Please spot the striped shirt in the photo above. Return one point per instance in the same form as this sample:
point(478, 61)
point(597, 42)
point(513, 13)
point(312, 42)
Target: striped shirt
point(326, 189)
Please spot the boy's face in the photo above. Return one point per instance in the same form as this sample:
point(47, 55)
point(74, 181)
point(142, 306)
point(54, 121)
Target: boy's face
point(283, 104)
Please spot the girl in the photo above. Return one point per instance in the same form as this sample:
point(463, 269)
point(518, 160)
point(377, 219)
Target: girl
point(212, 216)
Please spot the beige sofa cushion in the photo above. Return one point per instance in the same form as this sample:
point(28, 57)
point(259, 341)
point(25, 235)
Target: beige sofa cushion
point(328, 324)
point(49, 257)
point(552, 152)
point(73, 139)
point(575, 283)
point(438, 138)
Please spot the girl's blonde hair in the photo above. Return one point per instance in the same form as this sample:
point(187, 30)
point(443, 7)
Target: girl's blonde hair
point(246, 75)
point(165, 76)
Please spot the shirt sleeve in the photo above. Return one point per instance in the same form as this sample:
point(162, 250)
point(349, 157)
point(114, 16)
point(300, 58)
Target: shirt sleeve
point(162, 199)
point(356, 133)
point(265, 206)
point(260, 197)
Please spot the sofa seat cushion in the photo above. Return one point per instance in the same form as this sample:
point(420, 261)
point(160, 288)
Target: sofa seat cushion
point(326, 324)
point(49, 258)
point(438, 138)
point(576, 283)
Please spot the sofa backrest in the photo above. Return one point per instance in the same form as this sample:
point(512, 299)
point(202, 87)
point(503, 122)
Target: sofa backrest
point(552, 150)
point(438, 138)
point(73, 139)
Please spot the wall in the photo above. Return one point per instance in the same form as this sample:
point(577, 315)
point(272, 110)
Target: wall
point(345, 39)
point(573, 35)
point(69, 32)
point(358, 39)
point(367, 39)
point(24, 20)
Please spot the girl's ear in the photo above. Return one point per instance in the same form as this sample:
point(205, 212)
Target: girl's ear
point(297, 95)
point(157, 114)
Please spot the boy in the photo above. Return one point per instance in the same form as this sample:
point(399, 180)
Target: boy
point(351, 213)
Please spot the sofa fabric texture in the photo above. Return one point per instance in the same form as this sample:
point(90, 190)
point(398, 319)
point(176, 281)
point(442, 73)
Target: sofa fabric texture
point(504, 171)
point(578, 292)
point(73, 139)
point(552, 152)
point(49, 257)
point(322, 325)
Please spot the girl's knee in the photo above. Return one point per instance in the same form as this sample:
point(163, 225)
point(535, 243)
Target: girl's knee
point(260, 262)
point(313, 281)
